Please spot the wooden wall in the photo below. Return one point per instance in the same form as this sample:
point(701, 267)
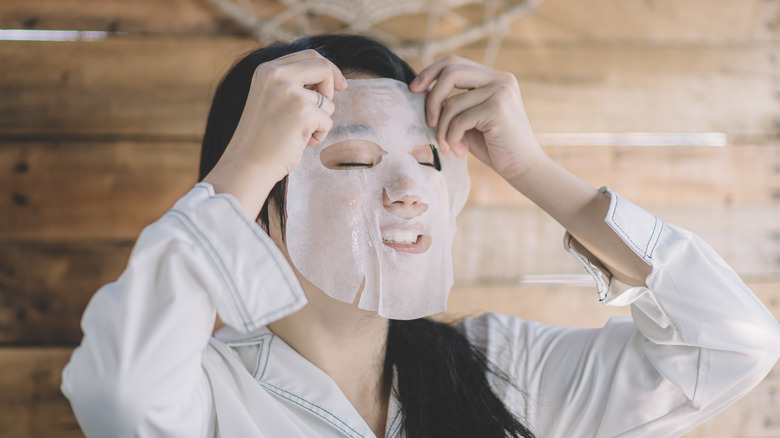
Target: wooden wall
point(98, 139)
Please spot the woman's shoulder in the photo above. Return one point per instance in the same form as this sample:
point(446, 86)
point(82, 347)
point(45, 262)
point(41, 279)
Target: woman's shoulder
point(506, 339)
point(492, 327)
point(496, 334)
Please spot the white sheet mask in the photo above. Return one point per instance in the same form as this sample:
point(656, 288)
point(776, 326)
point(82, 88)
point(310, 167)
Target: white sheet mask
point(363, 188)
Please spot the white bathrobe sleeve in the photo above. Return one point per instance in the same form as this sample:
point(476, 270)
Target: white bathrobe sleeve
point(138, 371)
point(697, 341)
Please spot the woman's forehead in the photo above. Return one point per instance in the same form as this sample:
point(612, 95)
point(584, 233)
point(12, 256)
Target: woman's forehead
point(376, 98)
point(379, 109)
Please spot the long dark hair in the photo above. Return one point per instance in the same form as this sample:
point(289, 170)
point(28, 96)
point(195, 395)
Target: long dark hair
point(443, 385)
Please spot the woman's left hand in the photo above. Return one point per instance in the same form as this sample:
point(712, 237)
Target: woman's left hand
point(487, 119)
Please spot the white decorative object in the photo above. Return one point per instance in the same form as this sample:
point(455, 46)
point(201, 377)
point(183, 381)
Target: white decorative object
point(487, 19)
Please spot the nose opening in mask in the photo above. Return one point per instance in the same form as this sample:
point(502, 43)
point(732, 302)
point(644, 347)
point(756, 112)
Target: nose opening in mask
point(403, 204)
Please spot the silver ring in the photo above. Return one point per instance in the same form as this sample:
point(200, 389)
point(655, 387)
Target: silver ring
point(320, 100)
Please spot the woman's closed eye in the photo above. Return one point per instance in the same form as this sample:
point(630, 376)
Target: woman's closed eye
point(352, 165)
point(352, 154)
point(427, 155)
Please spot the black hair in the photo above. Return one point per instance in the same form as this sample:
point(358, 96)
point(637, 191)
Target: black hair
point(442, 379)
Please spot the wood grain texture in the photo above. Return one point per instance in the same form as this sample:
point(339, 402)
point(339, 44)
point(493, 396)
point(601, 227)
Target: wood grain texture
point(76, 190)
point(99, 139)
point(32, 406)
point(657, 89)
point(555, 21)
point(166, 17)
point(657, 22)
point(90, 190)
point(755, 416)
point(158, 87)
point(142, 87)
point(566, 306)
point(499, 245)
point(44, 288)
point(735, 175)
point(666, 22)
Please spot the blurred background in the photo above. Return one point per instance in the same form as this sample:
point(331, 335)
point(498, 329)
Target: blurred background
point(673, 104)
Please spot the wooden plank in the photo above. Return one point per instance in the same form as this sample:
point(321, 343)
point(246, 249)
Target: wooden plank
point(659, 89)
point(567, 306)
point(738, 174)
point(91, 190)
point(169, 17)
point(549, 303)
point(119, 187)
point(658, 22)
point(500, 245)
point(76, 191)
point(706, 22)
point(756, 415)
point(143, 87)
point(556, 21)
point(153, 17)
point(44, 289)
point(161, 87)
point(34, 407)
point(31, 404)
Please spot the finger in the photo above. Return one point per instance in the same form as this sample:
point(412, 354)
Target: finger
point(317, 72)
point(460, 124)
point(309, 54)
point(429, 74)
point(320, 101)
point(456, 105)
point(453, 77)
point(321, 124)
point(313, 71)
point(294, 57)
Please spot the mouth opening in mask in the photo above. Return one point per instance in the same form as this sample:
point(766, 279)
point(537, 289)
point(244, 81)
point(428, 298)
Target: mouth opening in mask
point(413, 244)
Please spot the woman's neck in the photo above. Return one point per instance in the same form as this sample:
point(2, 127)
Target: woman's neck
point(348, 344)
point(344, 341)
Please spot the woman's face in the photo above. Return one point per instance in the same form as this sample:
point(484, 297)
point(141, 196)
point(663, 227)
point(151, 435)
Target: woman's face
point(369, 217)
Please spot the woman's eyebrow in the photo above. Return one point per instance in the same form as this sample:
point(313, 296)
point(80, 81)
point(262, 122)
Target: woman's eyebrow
point(418, 130)
point(353, 129)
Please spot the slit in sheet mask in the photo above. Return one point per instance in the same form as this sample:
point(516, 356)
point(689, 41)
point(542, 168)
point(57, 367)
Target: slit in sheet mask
point(374, 204)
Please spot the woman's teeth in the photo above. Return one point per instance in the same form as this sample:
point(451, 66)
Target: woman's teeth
point(402, 237)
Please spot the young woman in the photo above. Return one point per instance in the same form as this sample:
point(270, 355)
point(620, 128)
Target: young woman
point(352, 164)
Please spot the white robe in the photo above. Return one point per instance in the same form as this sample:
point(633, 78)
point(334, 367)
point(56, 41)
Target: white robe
point(148, 365)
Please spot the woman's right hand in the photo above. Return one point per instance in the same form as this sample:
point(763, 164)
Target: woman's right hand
point(281, 117)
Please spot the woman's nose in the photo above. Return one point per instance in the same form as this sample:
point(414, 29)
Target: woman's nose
point(399, 199)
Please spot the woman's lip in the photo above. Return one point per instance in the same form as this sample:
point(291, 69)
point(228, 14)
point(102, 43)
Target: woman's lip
point(420, 246)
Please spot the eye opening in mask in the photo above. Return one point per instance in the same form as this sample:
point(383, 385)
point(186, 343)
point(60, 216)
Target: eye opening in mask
point(351, 154)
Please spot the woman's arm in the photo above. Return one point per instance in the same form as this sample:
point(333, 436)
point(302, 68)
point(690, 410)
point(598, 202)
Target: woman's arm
point(699, 338)
point(281, 117)
point(139, 368)
point(581, 210)
point(490, 121)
